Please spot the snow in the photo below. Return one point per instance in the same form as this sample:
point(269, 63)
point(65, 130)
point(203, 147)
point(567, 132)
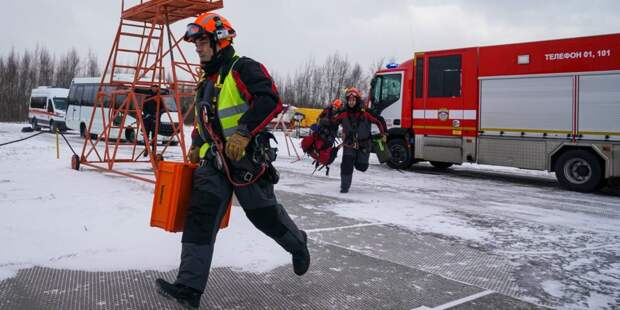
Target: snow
point(565, 245)
point(56, 217)
point(553, 288)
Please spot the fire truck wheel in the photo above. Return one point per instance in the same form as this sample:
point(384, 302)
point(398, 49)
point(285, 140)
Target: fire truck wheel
point(401, 154)
point(579, 170)
point(441, 165)
point(75, 162)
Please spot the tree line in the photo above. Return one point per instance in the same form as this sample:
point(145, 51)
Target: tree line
point(21, 72)
point(312, 85)
point(316, 85)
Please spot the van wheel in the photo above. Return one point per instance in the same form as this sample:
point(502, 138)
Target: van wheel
point(401, 154)
point(441, 165)
point(53, 127)
point(579, 170)
point(130, 135)
point(35, 125)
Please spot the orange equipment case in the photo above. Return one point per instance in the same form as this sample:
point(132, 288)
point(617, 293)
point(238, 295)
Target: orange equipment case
point(171, 199)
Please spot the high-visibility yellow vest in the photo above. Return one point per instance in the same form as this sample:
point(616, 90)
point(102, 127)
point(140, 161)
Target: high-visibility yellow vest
point(230, 106)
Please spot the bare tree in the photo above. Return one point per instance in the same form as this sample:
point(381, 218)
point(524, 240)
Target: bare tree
point(343, 68)
point(10, 85)
point(3, 77)
point(376, 65)
point(355, 77)
point(68, 68)
point(92, 67)
point(24, 87)
point(45, 62)
point(317, 85)
point(20, 73)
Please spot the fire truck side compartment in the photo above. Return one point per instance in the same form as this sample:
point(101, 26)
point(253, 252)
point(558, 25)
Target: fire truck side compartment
point(527, 106)
point(599, 106)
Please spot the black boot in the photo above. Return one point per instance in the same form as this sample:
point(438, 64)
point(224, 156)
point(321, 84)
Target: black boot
point(301, 259)
point(186, 296)
point(345, 182)
point(294, 241)
point(298, 247)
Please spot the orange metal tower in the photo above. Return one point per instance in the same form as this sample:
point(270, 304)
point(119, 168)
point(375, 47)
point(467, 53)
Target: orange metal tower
point(148, 53)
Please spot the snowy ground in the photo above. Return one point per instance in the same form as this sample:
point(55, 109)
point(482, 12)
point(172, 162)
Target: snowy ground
point(564, 247)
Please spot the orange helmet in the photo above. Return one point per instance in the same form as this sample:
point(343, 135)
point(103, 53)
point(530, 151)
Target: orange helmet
point(213, 26)
point(352, 92)
point(337, 104)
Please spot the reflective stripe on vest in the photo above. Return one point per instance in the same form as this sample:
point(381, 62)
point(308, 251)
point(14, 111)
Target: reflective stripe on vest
point(230, 107)
point(203, 149)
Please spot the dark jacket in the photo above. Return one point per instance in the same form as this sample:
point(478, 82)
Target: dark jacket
point(150, 106)
point(356, 123)
point(327, 119)
point(256, 87)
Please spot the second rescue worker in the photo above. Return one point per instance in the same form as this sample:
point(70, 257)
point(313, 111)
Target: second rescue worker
point(355, 121)
point(235, 100)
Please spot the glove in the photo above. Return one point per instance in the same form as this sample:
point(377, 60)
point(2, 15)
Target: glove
point(193, 154)
point(384, 138)
point(236, 144)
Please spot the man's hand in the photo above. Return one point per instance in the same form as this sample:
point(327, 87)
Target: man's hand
point(236, 144)
point(384, 138)
point(193, 154)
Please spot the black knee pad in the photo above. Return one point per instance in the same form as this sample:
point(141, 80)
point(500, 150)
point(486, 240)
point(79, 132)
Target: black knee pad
point(361, 167)
point(202, 219)
point(346, 167)
point(267, 220)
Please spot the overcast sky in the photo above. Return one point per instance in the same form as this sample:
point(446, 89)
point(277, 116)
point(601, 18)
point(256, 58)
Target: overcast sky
point(285, 34)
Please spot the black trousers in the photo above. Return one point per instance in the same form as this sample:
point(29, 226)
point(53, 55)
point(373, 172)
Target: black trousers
point(149, 127)
point(352, 158)
point(211, 192)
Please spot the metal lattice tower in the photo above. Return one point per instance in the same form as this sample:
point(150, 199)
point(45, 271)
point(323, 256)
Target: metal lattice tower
point(147, 53)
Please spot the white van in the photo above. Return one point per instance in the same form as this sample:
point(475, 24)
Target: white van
point(47, 107)
point(81, 101)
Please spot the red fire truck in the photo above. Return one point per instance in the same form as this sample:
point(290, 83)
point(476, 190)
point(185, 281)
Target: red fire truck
point(549, 105)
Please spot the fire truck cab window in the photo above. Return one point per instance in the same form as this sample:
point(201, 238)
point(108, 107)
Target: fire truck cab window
point(385, 90)
point(444, 76)
point(390, 89)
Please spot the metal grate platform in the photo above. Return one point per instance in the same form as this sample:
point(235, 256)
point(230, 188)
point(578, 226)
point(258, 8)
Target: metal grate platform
point(338, 279)
point(355, 265)
point(153, 11)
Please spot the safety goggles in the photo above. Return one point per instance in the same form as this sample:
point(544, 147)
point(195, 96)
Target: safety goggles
point(194, 32)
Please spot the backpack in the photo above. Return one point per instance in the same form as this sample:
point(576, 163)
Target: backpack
point(321, 149)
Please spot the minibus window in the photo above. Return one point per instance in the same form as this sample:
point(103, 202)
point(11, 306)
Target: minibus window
point(37, 102)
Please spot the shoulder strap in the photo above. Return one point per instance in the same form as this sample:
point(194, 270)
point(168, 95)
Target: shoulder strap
point(225, 70)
